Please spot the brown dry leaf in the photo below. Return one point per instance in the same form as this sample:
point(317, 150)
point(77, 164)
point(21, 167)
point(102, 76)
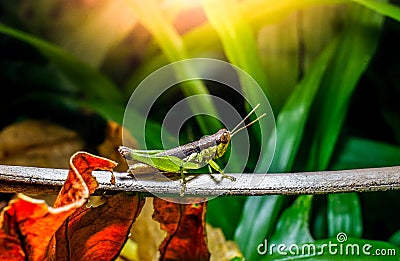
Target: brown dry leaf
point(219, 247)
point(130, 251)
point(38, 143)
point(44, 144)
point(185, 225)
point(148, 235)
point(28, 226)
point(109, 148)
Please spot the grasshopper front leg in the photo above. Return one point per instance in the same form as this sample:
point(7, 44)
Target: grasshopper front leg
point(183, 188)
point(215, 166)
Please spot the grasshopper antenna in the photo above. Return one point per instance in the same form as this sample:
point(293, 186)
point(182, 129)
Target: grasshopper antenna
point(247, 125)
point(236, 130)
point(245, 118)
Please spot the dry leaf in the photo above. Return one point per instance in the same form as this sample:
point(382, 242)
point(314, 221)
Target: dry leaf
point(219, 247)
point(185, 225)
point(28, 227)
point(130, 251)
point(80, 183)
point(147, 233)
point(38, 143)
point(98, 233)
point(44, 144)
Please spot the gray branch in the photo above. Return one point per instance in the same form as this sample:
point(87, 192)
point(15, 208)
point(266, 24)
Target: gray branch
point(46, 180)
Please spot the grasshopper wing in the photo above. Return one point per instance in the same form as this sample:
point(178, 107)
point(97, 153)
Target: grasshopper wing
point(164, 163)
point(149, 157)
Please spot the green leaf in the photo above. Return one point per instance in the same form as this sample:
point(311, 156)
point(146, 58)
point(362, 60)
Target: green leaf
point(100, 93)
point(291, 121)
point(41, 76)
point(256, 223)
point(357, 152)
point(170, 42)
point(385, 9)
point(224, 212)
point(236, 36)
point(237, 259)
point(318, 225)
point(293, 225)
point(293, 116)
point(115, 112)
point(395, 238)
point(240, 47)
point(110, 111)
point(86, 79)
point(363, 30)
point(344, 215)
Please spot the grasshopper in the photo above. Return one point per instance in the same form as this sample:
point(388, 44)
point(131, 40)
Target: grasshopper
point(193, 155)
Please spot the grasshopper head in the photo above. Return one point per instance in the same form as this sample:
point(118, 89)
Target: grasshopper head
point(224, 137)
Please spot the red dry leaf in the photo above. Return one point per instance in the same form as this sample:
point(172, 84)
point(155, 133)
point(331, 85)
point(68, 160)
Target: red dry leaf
point(98, 233)
point(185, 225)
point(28, 227)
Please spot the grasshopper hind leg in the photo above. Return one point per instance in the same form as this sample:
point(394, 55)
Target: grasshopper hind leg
point(215, 166)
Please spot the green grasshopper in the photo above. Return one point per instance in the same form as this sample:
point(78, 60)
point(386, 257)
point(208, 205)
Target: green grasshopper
point(193, 155)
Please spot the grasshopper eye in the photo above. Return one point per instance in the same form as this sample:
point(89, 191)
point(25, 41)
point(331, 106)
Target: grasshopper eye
point(225, 138)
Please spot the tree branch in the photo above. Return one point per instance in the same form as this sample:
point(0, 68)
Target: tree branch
point(46, 180)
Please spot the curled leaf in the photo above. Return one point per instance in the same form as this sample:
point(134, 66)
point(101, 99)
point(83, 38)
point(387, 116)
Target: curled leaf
point(80, 183)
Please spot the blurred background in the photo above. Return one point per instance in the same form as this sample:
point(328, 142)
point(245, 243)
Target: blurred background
point(330, 69)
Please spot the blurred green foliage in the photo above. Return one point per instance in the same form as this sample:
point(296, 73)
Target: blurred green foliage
point(329, 68)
